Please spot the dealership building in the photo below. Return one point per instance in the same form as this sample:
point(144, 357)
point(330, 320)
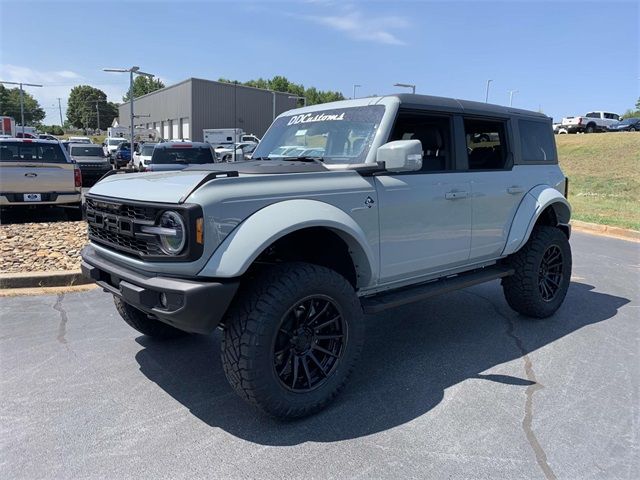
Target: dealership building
point(183, 110)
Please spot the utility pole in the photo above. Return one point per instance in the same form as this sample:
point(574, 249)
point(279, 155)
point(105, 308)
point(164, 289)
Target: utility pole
point(274, 104)
point(98, 113)
point(406, 85)
point(354, 89)
point(486, 96)
point(21, 99)
point(60, 108)
point(511, 93)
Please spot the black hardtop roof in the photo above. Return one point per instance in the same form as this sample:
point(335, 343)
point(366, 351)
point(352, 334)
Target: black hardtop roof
point(468, 106)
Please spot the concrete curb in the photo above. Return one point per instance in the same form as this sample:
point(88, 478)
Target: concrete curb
point(606, 230)
point(42, 279)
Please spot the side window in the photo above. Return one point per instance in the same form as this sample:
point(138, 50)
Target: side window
point(536, 141)
point(486, 144)
point(592, 115)
point(434, 132)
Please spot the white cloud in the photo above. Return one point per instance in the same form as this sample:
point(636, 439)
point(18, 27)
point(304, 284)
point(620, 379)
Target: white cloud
point(360, 26)
point(58, 84)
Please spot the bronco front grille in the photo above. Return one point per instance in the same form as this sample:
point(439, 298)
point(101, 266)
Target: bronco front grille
point(117, 225)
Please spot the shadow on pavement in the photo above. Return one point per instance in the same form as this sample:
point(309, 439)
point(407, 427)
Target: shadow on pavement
point(410, 357)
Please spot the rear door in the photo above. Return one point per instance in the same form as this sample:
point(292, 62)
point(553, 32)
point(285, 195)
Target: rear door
point(34, 167)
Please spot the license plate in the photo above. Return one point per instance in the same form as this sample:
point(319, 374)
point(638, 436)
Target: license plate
point(32, 197)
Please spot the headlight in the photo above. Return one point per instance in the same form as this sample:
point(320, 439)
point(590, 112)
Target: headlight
point(171, 232)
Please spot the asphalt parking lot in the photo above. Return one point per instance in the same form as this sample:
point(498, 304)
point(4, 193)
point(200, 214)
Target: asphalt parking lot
point(456, 387)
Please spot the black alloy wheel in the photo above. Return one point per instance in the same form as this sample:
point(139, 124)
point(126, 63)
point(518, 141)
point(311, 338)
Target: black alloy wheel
point(550, 273)
point(310, 342)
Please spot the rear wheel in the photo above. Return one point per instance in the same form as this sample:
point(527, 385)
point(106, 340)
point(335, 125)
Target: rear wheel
point(144, 323)
point(591, 128)
point(542, 274)
point(292, 338)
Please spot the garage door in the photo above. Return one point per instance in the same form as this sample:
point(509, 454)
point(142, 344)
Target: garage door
point(186, 134)
point(165, 131)
point(174, 129)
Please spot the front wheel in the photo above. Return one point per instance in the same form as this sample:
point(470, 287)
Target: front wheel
point(292, 338)
point(542, 273)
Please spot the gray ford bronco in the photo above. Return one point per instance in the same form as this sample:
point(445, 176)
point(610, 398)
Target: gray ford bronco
point(386, 201)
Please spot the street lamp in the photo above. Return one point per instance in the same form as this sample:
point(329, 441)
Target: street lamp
point(131, 71)
point(486, 96)
point(406, 85)
point(354, 89)
point(297, 97)
point(511, 93)
point(21, 99)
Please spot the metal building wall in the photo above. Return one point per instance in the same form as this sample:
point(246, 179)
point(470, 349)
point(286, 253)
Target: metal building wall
point(196, 104)
point(164, 107)
point(224, 105)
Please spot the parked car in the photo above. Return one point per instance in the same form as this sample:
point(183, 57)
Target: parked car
point(285, 254)
point(122, 155)
point(37, 173)
point(626, 125)
point(92, 162)
point(180, 155)
point(111, 144)
point(142, 159)
point(80, 140)
point(236, 152)
point(46, 136)
point(590, 123)
point(26, 135)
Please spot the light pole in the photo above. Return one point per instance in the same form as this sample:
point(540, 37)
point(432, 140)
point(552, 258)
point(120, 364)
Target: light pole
point(511, 93)
point(131, 71)
point(406, 85)
point(355, 85)
point(486, 96)
point(22, 99)
point(298, 97)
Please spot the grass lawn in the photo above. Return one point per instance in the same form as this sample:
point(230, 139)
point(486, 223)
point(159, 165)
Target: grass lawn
point(604, 177)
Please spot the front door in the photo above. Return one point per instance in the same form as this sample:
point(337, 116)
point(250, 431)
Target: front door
point(425, 216)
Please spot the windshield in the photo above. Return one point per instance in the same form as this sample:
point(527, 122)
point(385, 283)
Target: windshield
point(629, 121)
point(197, 155)
point(31, 152)
point(115, 141)
point(337, 136)
point(147, 150)
point(87, 152)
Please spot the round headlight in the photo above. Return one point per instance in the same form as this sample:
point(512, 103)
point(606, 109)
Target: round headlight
point(172, 243)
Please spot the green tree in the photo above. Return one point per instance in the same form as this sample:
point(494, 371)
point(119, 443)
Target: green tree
point(282, 84)
point(633, 113)
point(86, 104)
point(10, 106)
point(143, 85)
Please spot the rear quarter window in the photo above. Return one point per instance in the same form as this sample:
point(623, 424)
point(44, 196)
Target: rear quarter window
point(536, 142)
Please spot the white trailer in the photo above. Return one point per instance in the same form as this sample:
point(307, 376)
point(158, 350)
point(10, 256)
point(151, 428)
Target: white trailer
point(227, 136)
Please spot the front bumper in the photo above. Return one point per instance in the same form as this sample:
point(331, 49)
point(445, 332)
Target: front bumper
point(192, 305)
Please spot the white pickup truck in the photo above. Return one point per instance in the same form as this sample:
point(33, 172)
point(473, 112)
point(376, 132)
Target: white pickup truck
point(590, 123)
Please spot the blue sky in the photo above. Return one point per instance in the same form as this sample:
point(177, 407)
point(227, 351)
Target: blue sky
point(566, 57)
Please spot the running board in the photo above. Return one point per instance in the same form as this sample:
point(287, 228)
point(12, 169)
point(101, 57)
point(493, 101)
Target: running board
point(416, 293)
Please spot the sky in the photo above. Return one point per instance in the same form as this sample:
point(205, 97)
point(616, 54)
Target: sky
point(563, 57)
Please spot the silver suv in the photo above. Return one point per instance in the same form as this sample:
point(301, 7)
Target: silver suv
point(410, 196)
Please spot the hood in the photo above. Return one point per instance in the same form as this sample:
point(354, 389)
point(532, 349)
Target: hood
point(174, 186)
point(164, 187)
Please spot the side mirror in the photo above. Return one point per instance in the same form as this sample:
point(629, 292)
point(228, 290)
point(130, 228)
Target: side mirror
point(401, 155)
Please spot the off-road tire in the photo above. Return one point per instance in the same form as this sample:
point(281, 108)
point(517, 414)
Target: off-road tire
point(252, 326)
point(145, 324)
point(522, 289)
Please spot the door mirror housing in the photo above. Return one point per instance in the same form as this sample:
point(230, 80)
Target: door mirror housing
point(401, 155)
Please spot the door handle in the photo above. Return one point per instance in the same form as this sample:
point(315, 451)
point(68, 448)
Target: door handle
point(30, 174)
point(514, 190)
point(455, 195)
